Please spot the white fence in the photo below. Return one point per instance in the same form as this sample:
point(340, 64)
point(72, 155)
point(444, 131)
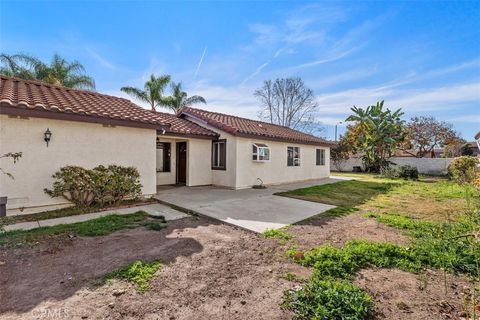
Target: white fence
point(434, 166)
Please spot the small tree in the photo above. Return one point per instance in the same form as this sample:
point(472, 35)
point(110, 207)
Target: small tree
point(340, 153)
point(424, 134)
point(378, 133)
point(288, 102)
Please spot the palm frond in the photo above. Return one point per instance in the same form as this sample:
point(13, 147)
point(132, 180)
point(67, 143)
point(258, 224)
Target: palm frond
point(137, 94)
point(195, 100)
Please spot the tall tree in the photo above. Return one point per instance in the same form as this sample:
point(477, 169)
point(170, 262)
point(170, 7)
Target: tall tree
point(288, 102)
point(179, 98)
point(424, 134)
point(152, 92)
point(378, 134)
point(59, 71)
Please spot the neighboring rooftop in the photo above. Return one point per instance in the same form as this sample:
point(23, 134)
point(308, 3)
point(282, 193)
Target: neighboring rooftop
point(39, 99)
point(251, 128)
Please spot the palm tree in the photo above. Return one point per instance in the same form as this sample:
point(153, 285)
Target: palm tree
point(58, 72)
point(179, 98)
point(152, 93)
point(12, 68)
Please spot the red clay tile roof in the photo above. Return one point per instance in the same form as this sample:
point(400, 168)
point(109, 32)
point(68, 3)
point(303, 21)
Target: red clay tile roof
point(252, 128)
point(36, 98)
point(182, 126)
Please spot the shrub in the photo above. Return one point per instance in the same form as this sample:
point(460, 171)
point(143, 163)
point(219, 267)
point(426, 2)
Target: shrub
point(464, 169)
point(408, 172)
point(405, 172)
point(328, 299)
point(98, 186)
point(138, 272)
point(389, 172)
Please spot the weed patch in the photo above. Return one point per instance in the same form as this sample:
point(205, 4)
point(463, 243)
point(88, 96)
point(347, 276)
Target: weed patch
point(139, 273)
point(328, 299)
point(278, 234)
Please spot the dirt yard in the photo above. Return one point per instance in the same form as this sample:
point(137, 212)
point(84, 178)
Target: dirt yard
point(212, 271)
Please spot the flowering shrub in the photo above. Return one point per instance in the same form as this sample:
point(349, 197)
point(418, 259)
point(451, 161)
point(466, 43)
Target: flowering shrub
point(99, 186)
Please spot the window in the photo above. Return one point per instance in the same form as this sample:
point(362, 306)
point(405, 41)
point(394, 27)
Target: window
point(293, 156)
point(320, 157)
point(219, 154)
point(260, 152)
point(163, 156)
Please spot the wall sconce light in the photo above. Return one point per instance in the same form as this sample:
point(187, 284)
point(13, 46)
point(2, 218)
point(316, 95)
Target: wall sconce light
point(48, 136)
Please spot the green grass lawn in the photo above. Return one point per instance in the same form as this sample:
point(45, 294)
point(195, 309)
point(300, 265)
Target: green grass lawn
point(431, 198)
point(95, 227)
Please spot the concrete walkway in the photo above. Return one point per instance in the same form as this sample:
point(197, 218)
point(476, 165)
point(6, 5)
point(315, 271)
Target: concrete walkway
point(251, 209)
point(153, 209)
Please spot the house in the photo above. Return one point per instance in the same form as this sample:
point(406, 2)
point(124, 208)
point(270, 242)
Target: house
point(56, 126)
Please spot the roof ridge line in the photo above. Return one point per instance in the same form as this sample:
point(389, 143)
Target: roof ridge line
point(50, 85)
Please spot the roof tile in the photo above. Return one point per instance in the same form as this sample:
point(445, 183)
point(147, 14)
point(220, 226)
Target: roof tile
point(252, 128)
point(37, 95)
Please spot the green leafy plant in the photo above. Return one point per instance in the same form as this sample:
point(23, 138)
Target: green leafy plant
point(378, 134)
point(464, 169)
point(328, 299)
point(276, 233)
point(139, 273)
point(98, 186)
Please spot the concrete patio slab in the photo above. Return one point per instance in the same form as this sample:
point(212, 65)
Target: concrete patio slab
point(252, 209)
point(153, 209)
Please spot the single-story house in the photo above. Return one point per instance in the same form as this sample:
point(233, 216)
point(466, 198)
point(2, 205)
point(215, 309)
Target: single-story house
point(194, 147)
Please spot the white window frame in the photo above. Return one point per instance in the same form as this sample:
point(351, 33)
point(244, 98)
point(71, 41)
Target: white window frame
point(296, 160)
point(322, 158)
point(217, 156)
point(256, 155)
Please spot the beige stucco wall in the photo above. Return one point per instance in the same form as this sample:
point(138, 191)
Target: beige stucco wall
point(198, 161)
point(276, 170)
point(242, 171)
point(72, 143)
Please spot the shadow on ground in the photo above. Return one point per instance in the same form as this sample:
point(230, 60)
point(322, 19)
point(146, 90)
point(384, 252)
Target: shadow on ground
point(55, 269)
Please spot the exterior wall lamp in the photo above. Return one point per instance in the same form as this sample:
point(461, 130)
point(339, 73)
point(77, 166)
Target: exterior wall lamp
point(48, 136)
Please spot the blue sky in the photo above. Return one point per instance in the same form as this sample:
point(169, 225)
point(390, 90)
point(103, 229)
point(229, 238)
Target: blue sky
point(421, 56)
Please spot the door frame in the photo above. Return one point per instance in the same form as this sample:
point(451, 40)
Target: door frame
point(177, 164)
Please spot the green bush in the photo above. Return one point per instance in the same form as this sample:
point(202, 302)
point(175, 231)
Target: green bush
point(464, 169)
point(98, 186)
point(328, 299)
point(389, 172)
point(138, 272)
point(408, 172)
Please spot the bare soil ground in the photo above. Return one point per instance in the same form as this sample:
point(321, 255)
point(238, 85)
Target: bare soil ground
point(212, 271)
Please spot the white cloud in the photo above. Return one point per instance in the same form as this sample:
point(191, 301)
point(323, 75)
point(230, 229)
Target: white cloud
point(411, 100)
